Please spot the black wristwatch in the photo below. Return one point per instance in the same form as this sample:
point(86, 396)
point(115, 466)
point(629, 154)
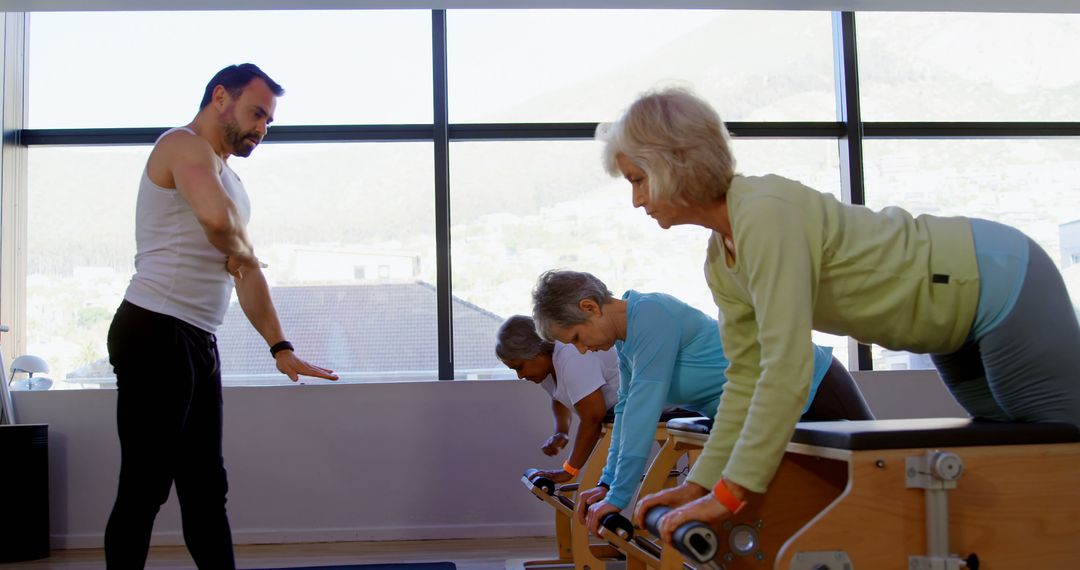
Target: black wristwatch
point(283, 345)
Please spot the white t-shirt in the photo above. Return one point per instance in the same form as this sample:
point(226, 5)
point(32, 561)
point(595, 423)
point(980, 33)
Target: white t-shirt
point(582, 374)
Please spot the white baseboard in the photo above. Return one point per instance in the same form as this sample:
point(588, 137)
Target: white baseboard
point(314, 535)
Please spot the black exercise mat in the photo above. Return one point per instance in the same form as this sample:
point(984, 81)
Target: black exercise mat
point(405, 566)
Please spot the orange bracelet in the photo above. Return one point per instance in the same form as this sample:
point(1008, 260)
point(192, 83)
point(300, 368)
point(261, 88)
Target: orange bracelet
point(573, 471)
point(723, 495)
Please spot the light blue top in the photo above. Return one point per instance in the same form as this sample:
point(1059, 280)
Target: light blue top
point(672, 356)
point(1002, 254)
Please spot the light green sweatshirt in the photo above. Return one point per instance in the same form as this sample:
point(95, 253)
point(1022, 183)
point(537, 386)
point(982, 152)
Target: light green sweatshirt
point(804, 261)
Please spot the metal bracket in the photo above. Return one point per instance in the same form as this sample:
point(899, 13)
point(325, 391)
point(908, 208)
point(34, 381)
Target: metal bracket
point(822, 560)
point(935, 472)
point(928, 563)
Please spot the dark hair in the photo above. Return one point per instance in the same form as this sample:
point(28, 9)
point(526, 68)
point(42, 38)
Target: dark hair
point(517, 340)
point(235, 78)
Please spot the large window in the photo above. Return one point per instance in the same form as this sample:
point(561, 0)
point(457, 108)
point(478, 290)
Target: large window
point(149, 69)
point(976, 68)
point(969, 67)
point(521, 208)
point(347, 231)
point(586, 65)
point(80, 244)
point(347, 228)
point(351, 208)
point(1027, 184)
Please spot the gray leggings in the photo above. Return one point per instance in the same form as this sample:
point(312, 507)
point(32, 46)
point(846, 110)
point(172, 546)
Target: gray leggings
point(1027, 368)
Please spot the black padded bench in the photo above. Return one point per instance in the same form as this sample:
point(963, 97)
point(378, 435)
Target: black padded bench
point(911, 433)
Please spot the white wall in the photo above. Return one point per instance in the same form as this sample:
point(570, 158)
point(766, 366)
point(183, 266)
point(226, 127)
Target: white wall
point(316, 462)
point(359, 462)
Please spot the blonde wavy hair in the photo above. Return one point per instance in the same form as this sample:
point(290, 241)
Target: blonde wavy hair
point(678, 140)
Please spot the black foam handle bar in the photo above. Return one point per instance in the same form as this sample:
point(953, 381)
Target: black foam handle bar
point(543, 483)
point(618, 524)
point(695, 539)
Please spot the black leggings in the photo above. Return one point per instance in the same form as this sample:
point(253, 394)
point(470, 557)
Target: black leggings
point(837, 398)
point(169, 419)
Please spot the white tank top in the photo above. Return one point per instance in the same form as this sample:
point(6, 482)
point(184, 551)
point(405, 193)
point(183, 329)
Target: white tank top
point(177, 271)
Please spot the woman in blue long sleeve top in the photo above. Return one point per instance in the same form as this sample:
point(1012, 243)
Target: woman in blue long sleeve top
point(669, 355)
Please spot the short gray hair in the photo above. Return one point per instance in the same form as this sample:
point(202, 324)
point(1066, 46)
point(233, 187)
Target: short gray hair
point(557, 298)
point(517, 340)
point(679, 141)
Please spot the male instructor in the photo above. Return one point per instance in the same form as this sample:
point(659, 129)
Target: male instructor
point(191, 249)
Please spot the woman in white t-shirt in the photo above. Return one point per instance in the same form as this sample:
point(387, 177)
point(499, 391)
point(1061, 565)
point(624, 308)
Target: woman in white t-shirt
point(586, 383)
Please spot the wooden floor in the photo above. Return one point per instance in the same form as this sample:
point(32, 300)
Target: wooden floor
point(485, 554)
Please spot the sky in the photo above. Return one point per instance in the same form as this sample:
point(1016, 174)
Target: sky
point(121, 69)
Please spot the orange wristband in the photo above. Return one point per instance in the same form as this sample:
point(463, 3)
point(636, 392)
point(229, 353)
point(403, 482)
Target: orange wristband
point(573, 471)
point(723, 495)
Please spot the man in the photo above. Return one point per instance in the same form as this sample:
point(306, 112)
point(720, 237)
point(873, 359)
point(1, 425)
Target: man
point(190, 237)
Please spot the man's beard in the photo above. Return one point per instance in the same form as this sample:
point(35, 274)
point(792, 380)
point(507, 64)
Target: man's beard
point(239, 141)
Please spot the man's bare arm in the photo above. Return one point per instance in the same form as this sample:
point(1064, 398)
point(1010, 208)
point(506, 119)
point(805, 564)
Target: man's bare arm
point(190, 163)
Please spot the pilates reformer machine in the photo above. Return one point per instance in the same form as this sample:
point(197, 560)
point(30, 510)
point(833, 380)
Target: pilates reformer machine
point(575, 548)
point(927, 494)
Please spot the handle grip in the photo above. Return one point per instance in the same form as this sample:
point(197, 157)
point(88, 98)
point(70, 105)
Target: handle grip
point(618, 524)
point(543, 483)
point(695, 539)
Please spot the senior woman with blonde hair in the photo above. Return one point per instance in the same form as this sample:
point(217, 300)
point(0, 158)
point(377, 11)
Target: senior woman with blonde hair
point(981, 298)
point(669, 355)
